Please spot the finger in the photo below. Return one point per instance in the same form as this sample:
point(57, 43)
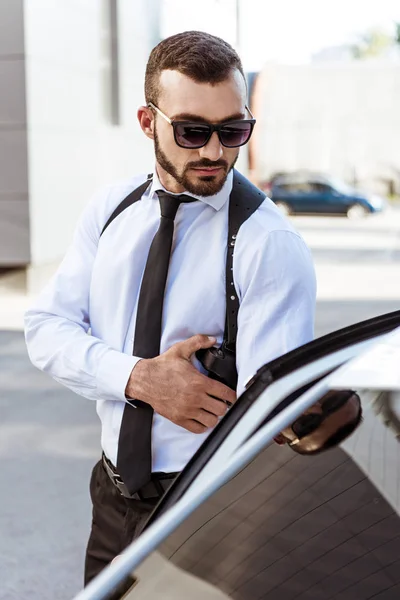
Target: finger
point(214, 406)
point(220, 391)
point(192, 344)
point(194, 426)
point(205, 418)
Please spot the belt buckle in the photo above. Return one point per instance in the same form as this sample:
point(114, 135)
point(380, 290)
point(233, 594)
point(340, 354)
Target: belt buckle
point(121, 487)
point(152, 489)
point(116, 479)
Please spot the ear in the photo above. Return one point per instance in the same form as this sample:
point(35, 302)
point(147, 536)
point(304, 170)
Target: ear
point(146, 121)
point(280, 439)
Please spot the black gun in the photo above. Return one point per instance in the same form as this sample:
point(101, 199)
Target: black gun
point(220, 364)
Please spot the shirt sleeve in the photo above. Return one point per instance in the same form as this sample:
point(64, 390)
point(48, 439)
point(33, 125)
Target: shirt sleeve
point(277, 307)
point(57, 325)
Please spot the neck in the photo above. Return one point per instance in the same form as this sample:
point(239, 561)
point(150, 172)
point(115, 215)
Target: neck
point(168, 182)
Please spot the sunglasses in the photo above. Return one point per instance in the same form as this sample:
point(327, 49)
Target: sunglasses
point(192, 135)
point(307, 424)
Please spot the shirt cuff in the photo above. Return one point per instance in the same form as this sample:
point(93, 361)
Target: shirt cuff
point(113, 375)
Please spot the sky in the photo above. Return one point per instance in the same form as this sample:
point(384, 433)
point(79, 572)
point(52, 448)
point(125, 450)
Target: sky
point(288, 31)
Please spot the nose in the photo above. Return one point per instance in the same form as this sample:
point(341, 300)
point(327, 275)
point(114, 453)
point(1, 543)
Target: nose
point(213, 149)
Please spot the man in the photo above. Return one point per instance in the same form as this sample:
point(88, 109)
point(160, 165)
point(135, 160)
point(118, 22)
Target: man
point(197, 117)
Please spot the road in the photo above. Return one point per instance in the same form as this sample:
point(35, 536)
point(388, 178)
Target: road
point(49, 438)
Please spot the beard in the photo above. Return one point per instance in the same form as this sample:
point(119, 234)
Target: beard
point(203, 186)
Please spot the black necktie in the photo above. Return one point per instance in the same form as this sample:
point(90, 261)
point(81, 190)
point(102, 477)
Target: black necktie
point(134, 445)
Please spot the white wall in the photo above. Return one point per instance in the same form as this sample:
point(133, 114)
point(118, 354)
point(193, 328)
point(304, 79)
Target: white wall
point(331, 118)
point(14, 207)
point(72, 148)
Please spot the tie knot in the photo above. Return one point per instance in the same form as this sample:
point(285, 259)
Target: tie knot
point(169, 203)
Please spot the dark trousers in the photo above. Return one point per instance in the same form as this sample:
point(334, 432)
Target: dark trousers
point(116, 522)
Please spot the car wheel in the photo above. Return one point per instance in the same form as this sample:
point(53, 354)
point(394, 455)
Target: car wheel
point(357, 211)
point(284, 207)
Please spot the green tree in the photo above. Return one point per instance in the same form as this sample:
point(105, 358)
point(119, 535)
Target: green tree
point(397, 34)
point(373, 43)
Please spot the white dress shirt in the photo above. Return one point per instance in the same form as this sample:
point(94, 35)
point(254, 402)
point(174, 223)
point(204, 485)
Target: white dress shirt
point(81, 328)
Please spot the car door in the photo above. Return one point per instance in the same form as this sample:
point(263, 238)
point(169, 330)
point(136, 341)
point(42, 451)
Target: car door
point(320, 198)
point(263, 522)
point(314, 197)
point(330, 201)
point(323, 199)
point(296, 194)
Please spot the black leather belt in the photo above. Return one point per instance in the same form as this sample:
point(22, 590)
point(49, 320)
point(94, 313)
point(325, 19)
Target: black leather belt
point(156, 488)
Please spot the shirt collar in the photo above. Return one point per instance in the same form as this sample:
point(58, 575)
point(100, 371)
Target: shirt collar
point(217, 201)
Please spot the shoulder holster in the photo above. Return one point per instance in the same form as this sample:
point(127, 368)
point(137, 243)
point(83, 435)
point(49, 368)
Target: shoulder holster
point(244, 200)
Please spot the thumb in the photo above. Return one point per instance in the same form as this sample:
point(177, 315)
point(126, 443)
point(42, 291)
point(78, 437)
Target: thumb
point(194, 343)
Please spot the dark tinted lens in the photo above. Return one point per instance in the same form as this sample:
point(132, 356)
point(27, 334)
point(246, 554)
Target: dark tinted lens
point(191, 135)
point(235, 134)
point(306, 424)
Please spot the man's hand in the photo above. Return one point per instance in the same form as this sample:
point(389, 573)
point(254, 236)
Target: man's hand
point(175, 389)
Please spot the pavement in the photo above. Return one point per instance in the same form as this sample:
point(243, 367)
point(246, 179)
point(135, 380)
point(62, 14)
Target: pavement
point(49, 437)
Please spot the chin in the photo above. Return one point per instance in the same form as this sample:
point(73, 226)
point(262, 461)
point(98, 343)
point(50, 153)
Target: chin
point(205, 188)
point(207, 177)
point(206, 185)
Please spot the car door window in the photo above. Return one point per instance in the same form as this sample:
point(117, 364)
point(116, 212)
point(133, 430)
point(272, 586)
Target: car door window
point(265, 376)
point(316, 525)
point(295, 187)
point(287, 522)
point(304, 187)
point(280, 506)
point(322, 188)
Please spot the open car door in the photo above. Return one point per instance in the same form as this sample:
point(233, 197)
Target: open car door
point(248, 519)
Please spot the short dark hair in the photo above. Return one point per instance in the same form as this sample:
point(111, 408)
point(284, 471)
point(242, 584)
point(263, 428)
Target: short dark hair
point(203, 57)
point(339, 436)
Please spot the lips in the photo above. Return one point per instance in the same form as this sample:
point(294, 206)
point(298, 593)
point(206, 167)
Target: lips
point(208, 171)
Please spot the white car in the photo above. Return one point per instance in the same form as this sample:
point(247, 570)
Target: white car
point(248, 519)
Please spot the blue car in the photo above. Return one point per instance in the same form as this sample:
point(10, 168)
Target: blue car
point(299, 194)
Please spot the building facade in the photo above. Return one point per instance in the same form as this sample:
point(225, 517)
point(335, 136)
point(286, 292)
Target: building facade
point(336, 118)
point(72, 78)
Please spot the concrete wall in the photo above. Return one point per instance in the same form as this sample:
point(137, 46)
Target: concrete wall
point(343, 119)
point(73, 146)
point(14, 208)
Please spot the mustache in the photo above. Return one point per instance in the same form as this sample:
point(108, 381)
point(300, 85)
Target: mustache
point(207, 164)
